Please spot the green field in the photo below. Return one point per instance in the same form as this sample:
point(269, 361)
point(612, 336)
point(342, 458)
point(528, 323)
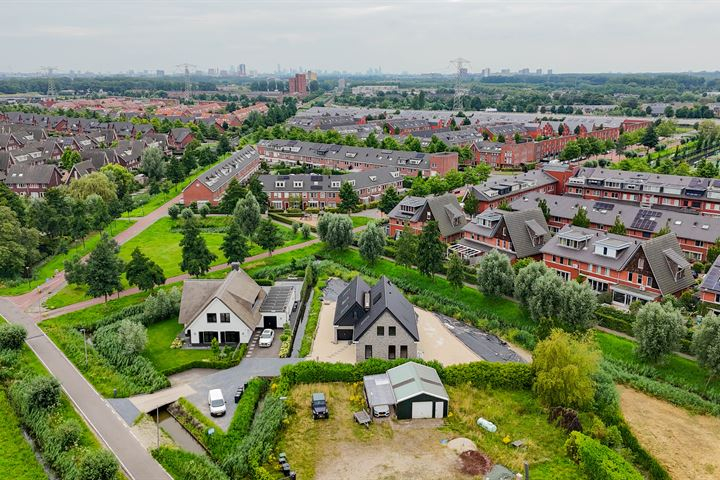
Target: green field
point(161, 243)
point(18, 459)
point(158, 350)
point(360, 221)
point(55, 264)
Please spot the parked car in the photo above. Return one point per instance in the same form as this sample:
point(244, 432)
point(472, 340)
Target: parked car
point(266, 338)
point(319, 406)
point(381, 411)
point(216, 402)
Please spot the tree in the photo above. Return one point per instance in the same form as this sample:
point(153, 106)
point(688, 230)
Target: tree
point(97, 464)
point(433, 250)
point(69, 158)
point(581, 219)
point(571, 151)
point(12, 336)
point(175, 171)
point(649, 138)
point(134, 337)
point(658, 328)
point(663, 231)
point(196, 257)
point(204, 210)
point(406, 247)
point(74, 270)
point(153, 164)
point(81, 223)
point(546, 296)
point(305, 231)
point(713, 251)
point(120, 177)
point(232, 195)
point(143, 272)
point(542, 205)
point(371, 243)
point(335, 230)
point(96, 183)
point(470, 205)
point(256, 188)
point(349, 198)
point(268, 235)
point(619, 227)
point(223, 145)
point(495, 274)
point(564, 369)
point(455, 271)
point(235, 245)
point(12, 251)
point(103, 268)
point(14, 202)
point(174, 211)
point(578, 305)
point(389, 200)
point(706, 344)
point(247, 214)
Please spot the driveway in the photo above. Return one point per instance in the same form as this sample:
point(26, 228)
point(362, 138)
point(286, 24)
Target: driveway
point(323, 348)
point(438, 343)
point(255, 351)
point(486, 345)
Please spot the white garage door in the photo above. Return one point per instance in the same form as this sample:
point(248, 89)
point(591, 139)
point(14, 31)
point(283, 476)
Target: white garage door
point(439, 409)
point(422, 410)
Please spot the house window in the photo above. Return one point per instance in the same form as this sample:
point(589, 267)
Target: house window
point(212, 318)
point(630, 276)
point(207, 337)
point(368, 351)
point(641, 263)
point(391, 352)
point(391, 331)
point(403, 351)
point(224, 318)
point(380, 331)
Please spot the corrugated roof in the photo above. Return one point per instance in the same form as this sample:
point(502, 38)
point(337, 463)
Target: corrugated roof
point(378, 390)
point(412, 379)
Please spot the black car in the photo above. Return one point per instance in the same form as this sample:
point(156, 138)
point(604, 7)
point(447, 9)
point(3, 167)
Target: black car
point(319, 406)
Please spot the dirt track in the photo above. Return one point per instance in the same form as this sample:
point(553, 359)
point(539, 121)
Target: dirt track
point(688, 446)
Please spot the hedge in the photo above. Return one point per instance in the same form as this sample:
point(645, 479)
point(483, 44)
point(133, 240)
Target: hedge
point(614, 323)
point(598, 461)
point(245, 411)
point(216, 364)
point(182, 465)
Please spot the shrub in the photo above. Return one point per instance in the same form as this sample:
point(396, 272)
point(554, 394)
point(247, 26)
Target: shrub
point(245, 411)
point(513, 376)
point(97, 464)
point(598, 461)
point(565, 418)
point(12, 336)
point(185, 465)
point(37, 393)
point(161, 305)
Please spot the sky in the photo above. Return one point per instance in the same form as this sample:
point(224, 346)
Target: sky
point(415, 36)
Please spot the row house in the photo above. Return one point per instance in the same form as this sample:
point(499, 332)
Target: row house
point(503, 189)
point(32, 180)
point(415, 212)
point(8, 141)
point(516, 234)
point(93, 161)
point(509, 130)
point(323, 191)
point(210, 186)
point(407, 126)
point(695, 233)
point(629, 268)
point(503, 155)
point(648, 190)
point(710, 287)
point(343, 157)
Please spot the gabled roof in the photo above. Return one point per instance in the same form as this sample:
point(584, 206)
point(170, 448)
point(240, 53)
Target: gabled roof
point(24, 174)
point(412, 379)
point(528, 231)
point(238, 291)
point(445, 210)
point(668, 264)
point(221, 174)
point(384, 296)
point(711, 282)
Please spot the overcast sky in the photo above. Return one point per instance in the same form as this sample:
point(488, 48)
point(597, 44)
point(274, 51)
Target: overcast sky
point(397, 36)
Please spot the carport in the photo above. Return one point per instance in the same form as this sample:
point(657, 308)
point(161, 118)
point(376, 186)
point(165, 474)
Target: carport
point(378, 390)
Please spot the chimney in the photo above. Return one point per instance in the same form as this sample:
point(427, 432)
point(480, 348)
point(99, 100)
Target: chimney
point(366, 301)
point(235, 266)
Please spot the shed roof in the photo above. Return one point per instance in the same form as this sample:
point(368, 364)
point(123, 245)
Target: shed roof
point(412, 379)
point(378, 390)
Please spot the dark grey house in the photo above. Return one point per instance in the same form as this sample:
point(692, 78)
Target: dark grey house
point(379, 320)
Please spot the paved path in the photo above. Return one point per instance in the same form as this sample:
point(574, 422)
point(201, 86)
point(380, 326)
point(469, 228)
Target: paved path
point(136, 462)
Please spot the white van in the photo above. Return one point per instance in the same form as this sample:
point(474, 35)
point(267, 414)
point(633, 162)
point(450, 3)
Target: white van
point(216, 402)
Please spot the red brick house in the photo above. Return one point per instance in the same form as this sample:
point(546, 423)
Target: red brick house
point(415, 212)
point(32, 180)
point(210, 186)
point(710, 287)
point(178, 138)
point(630, 268)
point(503, 155)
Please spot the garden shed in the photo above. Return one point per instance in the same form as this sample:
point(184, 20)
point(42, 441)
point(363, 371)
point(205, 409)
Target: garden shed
point(418, 391)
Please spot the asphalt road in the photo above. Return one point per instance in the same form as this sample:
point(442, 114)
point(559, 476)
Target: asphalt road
point(487, 345)
point(135, 461)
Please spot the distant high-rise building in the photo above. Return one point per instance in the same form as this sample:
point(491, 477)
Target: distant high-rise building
point(549, 71)
point(241, 70)
point(538, 71)
point(232, 70)
point(159, 73)
point(341, 85)
point(298, 83)
point(524, 71)
point(486, 72)
point(505, 71)
point(311, 76)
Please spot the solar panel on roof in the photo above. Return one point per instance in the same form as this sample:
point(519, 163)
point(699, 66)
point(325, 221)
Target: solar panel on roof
point(316, 187)
point(315, 178)
point(646, 220)
point(603, 206)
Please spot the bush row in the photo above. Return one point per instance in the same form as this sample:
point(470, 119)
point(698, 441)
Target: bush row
point(186, 465)
point(598, 461)
point(245, 411)
point(217, 364)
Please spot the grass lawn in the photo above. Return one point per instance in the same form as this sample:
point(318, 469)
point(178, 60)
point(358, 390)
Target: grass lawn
point(47, 269)
point(507, 310)
point(673, 369)
point(518, 415)
point(18, 459)
point(158, 350)
point(161, 242)
point(412, 449)
point(360, 221)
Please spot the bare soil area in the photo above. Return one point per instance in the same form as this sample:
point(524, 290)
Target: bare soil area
point(687, 445)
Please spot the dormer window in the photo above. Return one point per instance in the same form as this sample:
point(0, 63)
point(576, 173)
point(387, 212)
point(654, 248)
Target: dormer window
point(298, 184)
point(279, 184)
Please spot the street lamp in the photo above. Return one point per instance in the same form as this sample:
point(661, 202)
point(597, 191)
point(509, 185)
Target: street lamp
point(85, 342)
point(27, 275)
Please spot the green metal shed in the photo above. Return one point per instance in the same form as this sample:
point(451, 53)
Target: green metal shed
point(419, 393)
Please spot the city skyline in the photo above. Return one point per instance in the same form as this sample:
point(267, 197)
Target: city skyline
point(412, 36)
